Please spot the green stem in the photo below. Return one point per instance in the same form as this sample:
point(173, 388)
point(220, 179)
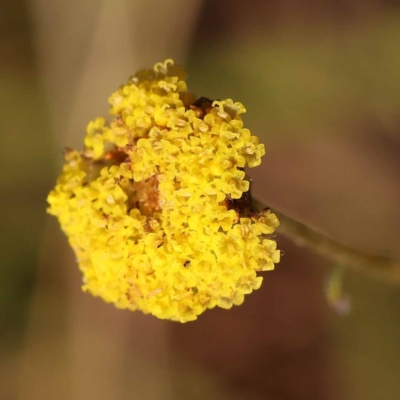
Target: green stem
point(378, 266)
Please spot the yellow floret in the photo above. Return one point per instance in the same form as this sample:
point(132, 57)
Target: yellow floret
point(148, 205)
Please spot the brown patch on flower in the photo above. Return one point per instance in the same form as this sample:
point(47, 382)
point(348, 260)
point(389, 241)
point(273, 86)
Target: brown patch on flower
point(94, 167)
point(242, 206)
point(116, 157)
point(201, 107)
point(259, 216)
point(147, 196)
point(67, 150)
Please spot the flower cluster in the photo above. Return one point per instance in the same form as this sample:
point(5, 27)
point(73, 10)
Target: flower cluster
point(155, 205)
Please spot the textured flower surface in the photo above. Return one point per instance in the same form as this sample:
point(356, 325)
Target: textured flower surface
point(157, 206)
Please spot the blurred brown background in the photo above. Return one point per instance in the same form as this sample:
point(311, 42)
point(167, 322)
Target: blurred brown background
point(320, 81)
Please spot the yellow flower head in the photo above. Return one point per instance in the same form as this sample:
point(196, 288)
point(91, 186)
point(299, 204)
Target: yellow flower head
point(157, 206)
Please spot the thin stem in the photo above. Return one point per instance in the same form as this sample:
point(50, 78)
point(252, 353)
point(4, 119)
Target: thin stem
point(381, 267)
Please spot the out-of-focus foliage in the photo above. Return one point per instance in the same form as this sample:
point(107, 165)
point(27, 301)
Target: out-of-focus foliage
point(26, 163)
point(306, 81)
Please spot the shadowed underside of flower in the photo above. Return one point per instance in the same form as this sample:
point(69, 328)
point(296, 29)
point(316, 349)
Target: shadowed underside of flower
point(157, 206)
